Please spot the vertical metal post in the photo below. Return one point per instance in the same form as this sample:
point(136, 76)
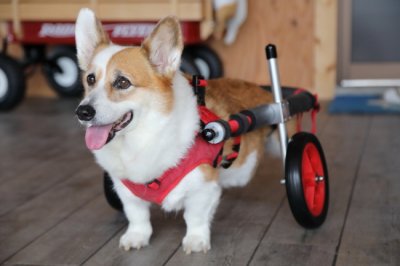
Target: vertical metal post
point(271, 53)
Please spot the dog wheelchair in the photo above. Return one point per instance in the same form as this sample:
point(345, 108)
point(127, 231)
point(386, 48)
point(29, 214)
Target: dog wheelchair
point(305, 169)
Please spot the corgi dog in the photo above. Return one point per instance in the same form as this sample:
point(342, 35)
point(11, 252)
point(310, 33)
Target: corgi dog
point(141, 118)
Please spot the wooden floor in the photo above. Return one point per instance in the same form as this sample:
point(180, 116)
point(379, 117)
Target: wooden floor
point(53, 212)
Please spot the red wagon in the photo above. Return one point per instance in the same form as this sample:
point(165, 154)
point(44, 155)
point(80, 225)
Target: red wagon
point(46, 31)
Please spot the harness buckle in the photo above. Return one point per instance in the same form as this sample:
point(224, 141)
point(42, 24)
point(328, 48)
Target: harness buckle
point(155, 185)
point(199, 89)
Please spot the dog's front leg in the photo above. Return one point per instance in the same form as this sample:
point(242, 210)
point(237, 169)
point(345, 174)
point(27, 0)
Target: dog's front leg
point(199, 210)
point(137, 212)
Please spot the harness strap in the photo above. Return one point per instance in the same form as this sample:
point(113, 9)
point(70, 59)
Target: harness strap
point(200, 153)
point(230, 158)
point(314, 111)
point(207, 116)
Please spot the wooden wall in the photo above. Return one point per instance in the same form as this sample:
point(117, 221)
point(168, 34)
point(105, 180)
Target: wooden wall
point(288, 25)
point(304, 32)
point(325, 47)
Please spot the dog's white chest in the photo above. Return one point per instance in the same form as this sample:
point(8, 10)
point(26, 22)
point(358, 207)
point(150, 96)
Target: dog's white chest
point(112, 162)
point(122, 161)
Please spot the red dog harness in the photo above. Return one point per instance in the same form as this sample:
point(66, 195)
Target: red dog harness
point(200, 153)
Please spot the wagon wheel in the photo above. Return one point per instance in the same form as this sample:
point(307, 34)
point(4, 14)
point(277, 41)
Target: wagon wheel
point(111, 196)
point(188, 65)
point(12, 83)
point(307, 182)
point(62, 71)
point(206, 60)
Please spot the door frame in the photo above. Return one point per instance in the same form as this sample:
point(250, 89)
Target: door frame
point(351, 74)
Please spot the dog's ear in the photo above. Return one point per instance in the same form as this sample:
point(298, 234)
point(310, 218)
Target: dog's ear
point(89, 34)
point(164, 46)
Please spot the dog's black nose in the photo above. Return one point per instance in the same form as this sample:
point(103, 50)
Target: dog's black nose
point(85, 112)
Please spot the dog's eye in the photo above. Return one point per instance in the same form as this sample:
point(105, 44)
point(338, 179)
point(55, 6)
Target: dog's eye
point(121, 83)
point(91, 79)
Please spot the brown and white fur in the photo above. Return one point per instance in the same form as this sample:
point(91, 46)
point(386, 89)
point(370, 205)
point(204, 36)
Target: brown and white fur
point(164, 125)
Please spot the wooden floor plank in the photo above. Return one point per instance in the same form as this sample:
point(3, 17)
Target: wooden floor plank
point(26, 148)
point(73, 240)
point(36, 132)
point(372, 232)
point(24, 224)
point(287, 243)
point(25, 187)
point(38, 151)
point(20, 139)
point(168, 231)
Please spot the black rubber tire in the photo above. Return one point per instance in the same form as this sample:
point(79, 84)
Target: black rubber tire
point(188, 66)
point(294, 185)
point(111, 196)
point(13, 80)
point(72, 86)
point(206, 60)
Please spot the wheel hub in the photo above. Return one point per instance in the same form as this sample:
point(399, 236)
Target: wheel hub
point(3, 83)
point(313, 179)
point(69, 72)
point(203, 67)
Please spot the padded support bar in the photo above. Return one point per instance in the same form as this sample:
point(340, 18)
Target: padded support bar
point(242, 122)
point(263, 115)
point(286, 91)
point(302, 102)
point(268, 114)
point(298, 103)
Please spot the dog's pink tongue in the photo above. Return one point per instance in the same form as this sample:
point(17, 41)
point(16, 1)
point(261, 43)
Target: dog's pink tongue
point(96, 136)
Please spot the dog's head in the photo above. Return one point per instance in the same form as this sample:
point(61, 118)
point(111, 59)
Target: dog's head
point(124, 84)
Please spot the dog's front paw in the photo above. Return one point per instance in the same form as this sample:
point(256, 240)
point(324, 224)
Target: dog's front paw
point(134, 240)
point(196, 243)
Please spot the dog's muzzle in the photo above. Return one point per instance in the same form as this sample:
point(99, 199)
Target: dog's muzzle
point(85, 112)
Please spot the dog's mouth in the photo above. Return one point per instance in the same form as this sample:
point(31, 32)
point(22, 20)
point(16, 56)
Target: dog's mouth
point(98, 136)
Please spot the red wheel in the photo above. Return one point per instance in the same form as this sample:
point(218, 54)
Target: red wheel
point(307, 182)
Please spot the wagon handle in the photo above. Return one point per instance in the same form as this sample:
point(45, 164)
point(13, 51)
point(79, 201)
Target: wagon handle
point(16, 22)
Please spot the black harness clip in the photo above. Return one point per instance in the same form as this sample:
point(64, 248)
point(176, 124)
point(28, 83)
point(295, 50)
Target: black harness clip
point(199, 89)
